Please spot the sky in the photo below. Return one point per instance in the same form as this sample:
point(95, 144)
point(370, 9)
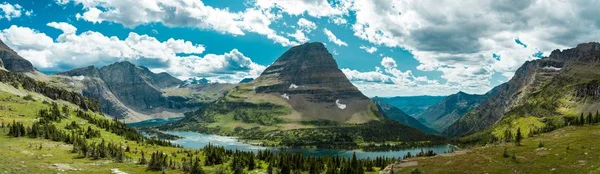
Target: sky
point(385, 47)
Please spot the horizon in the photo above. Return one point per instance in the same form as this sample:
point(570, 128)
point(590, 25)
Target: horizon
point(407, 51)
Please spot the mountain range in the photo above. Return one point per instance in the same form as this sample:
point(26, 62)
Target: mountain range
point(543, 93)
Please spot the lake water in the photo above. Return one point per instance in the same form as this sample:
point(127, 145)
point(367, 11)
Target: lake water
point(195, 140)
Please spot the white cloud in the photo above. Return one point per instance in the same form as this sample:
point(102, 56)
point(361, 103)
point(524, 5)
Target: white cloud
point(299, 36)
point(333, 38)
point(393, 82)
point(370, 50)
point(180, 13)
point(457, 42)
point(71, 50)
point(10, 11)
point(306, 25)
point(315, 8)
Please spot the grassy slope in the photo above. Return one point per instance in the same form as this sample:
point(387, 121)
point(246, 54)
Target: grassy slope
point(25, 151)
point(566, 150)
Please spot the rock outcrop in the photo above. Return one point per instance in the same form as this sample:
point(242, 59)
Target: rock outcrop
point(11, 61)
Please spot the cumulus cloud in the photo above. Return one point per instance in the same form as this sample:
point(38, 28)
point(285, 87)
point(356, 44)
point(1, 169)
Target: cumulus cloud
point(10, 11)
point(306, 25)
point(458, 42)
point(370, 50)
point(180, 13)
point(390, 81)
point(70, 50)
point(299, 36)
point(332, 38)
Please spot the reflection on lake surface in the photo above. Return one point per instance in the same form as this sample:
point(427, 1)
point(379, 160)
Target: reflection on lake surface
point(197, 141)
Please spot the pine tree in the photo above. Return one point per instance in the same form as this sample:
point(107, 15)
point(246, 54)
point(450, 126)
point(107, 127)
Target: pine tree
point(143, 160)
point(581, 120)
point(589, 119)
point(196, 168)
point(518, 137)
point(270, 169)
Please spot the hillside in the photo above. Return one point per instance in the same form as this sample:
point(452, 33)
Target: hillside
point(134, 93)
point(567, 150)
point(413, 105)
point(441, 115)
point(393, 113)
point(303, 93)
point(543, 94)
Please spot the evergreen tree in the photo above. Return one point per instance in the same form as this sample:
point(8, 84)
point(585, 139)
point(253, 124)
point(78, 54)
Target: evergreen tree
point(270, 169)
point(196, 168)
point(518, 137)
point(143, 160)
point(589, 119)
point(581, 120)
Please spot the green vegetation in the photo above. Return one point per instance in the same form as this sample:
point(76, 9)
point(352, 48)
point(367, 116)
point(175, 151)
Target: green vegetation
point(571, 149)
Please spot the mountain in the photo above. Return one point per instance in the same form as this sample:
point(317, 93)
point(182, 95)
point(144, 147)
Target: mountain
point(542, 94)
point(10, 60)
point(450, 109)
point(413, 105)
point(393, 113)
point(246, 80)
point(302, 99)
point(131, 92)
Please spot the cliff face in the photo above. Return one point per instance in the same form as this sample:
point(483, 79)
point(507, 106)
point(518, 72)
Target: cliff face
point(11, 61)
point(561, 70)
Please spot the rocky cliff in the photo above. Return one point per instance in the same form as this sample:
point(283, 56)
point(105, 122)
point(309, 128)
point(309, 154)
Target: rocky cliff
point(557, 85)
point(11, 61)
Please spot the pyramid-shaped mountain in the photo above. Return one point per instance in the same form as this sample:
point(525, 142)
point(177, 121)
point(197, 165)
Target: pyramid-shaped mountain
point(309, 80)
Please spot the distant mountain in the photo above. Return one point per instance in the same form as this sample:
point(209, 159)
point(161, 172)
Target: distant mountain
point(246, 80)
point(131, 92)
point(303, 92)
point(10, 60)
point(413, 105)
point(450, 109)
point(393, 113)
point(543, 93)
point(195, 81)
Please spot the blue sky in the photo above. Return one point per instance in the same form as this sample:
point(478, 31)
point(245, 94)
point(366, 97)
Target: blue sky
point(386, 48)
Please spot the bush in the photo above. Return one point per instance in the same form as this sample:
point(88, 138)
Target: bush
point(29, 97)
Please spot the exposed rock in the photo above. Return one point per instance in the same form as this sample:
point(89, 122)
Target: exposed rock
point(11, 61)
point(319, 89)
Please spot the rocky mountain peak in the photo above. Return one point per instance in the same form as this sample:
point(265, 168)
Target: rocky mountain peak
point(572, 54)
point(308, 69)
point(12, 61)
point(307, 77)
